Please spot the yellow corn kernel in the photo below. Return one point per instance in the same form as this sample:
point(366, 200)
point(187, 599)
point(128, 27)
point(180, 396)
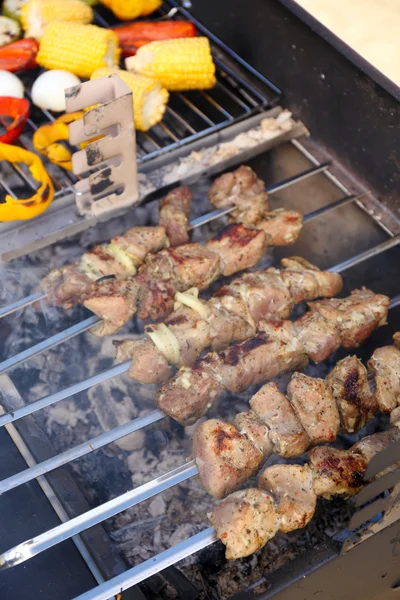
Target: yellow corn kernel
point(78, 48)
point(36, 14)
point(179, 64)
point(126, 10)
point(149, 97)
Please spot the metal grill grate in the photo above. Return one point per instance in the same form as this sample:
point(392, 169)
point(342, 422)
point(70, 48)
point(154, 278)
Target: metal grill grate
point(81, 523)
point(240, 92)
point(189, 117)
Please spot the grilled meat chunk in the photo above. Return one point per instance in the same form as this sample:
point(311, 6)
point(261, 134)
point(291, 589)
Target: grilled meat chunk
point(189, 265)
point(138, 242)
point(174, 213)
point(336, 472)
point(306, 282)
point(114, 301)
point(285, 430)
point(315, 407)
point(238, 247)
point(356, 316)
point(245, 522)
point(281, 226)
point(235, 310)
point(148, 365)
point(243, 189)
point(292, 488)
point(319, 337)
point(70, 284)
point(249, 424)
point(278, 348)
point(225, 458)
point(385, 364)
point(395, 417)
point(348, 383)
point(396, 339)
point(66, 286)
point(188, 395)
point(371, 445)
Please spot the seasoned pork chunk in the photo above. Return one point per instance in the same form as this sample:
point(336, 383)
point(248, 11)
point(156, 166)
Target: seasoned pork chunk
point(371, 445)
point(315, 407)
point(148, 365)
point(356, 316)
point(174, 213)
point(245, 522)
point(336, 472)
point(66, 286)
point(114, 301)
point(188, 395)
point(249, 424)
point(281, 226)
point(243, 189)
point(286, 432)
point(238, 247)
point(292, 488)
point(225, 458)
point(256, 296)
point(395, 417)
point(306, 282)
point(385, 364)
point(70, 284)
point(396, 339)
point(348, 383)
point(140, 241)
point(320, 338)
point(189, 265)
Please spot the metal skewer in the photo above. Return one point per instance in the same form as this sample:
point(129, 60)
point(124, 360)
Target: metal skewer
point(207, 218)
point(129, 499)
point(91, 321)
point(123, 367)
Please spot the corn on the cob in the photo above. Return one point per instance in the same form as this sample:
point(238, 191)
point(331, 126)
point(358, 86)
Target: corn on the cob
point(180, 64)
point(149, 97)
point(78, 48)
point(36, 14)
point(126, 10)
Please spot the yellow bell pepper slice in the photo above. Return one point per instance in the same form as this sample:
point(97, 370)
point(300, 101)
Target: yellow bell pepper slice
point(46, 140)
point(22, 209)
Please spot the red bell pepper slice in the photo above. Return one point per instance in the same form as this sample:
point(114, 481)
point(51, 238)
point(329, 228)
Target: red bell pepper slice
point(19, 55)
point(18, 109)
point(134, 35)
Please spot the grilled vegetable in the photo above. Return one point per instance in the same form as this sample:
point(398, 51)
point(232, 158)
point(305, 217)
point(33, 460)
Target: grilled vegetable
point(46, 140)
point(18, 109)
point(48, 91)
point(131, 9)
point(12, 9)
point(19, 55)
point(9, 30)
point(20, 210)
point(133, 36)
point(184, 64)
point(11, 85)
point(36, 14)
point(78, 48)
point(149, 97)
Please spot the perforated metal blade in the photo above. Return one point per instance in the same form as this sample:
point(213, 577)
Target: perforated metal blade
point(108, 165)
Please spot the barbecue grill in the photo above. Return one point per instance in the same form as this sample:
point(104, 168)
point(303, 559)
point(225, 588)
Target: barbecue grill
point(88, 458)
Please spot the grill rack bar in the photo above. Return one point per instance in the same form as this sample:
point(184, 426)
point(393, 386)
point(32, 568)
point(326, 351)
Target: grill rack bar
point(151, 566)
point(194, 224)
point(97, 515)
point(78, 328)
